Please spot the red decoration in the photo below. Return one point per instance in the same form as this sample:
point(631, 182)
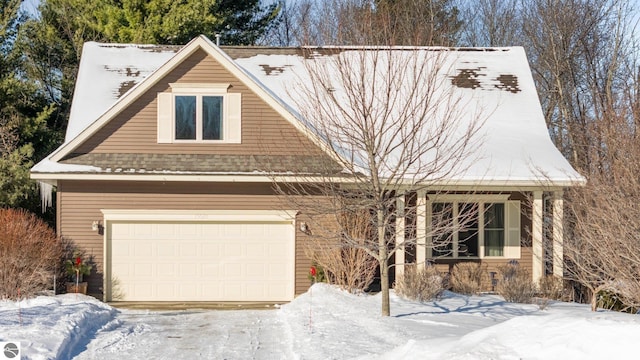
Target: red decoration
point(313, 271)
point(78, 261)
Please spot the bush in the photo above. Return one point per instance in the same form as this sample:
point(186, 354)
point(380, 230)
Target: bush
point(420, 284)
point(30, 254)
point(515, 284)
point(351, 269)
point(344, 259)
point(467, 278)
point(551, 287)
point(611, 301)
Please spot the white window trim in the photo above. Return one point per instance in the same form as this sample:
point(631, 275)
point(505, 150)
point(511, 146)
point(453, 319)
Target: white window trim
point(508, 252)
point(199, 88)
point(231, 118)
point(199, 120)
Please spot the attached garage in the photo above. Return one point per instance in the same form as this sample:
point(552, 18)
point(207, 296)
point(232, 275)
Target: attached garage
point(199, 256)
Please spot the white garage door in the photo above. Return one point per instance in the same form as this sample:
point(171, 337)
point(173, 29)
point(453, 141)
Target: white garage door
point(201, 261)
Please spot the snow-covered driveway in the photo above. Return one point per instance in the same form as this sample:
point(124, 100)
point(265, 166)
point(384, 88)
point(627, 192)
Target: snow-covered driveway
point(324, 323)
point(198, 334)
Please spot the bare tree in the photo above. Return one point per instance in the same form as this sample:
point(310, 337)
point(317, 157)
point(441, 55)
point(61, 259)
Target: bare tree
point(603, 250)
point(371, 22)
point(577, 49)
point(391, 125)
point(585, 66)
point(490, 23)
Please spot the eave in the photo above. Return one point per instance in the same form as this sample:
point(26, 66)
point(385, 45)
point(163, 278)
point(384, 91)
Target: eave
point(439, 185)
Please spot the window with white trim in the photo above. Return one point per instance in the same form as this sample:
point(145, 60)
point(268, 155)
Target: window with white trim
point(480, 228)
point(199, 113)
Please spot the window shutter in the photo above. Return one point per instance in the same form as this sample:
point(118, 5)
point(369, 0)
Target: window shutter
point(233, 117)
point(512, 243)
point(165, 116)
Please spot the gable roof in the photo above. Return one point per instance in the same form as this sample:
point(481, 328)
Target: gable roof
point(517, 148)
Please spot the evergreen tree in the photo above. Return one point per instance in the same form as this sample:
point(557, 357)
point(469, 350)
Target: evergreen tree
point(24, 135)
point(177, 22)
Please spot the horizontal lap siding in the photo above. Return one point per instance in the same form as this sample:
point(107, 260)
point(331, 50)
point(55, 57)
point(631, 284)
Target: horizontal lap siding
point(263, 129)
point(80, 203)
point(491, 265)
point(525, 262)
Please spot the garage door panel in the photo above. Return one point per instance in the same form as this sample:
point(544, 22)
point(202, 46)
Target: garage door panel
point(188, 249)
point(277, 270)
point(212, 271)
point(232, 271)
point(166, 249)
point(256, 250)
point(167, 270)
point(256, 269)
point(191, 230)
point(140, 290)
point(164, 231)
point(208, 261)
point(142, 230)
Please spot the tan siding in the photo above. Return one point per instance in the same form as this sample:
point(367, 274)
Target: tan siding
point(491, 265)
point(80, 204)
point(525, 262)
point(303, 263)
point(134, 130)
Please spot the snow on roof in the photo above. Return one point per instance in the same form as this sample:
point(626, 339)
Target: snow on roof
point(494, 86)
point(106, 72)
point(496, 82)
point(47, 166)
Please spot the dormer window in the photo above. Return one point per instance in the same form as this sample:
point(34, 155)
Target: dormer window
point(198, 117)
point(199, 113)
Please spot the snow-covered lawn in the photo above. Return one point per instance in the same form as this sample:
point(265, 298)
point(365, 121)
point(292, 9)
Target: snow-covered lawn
point(324, 323)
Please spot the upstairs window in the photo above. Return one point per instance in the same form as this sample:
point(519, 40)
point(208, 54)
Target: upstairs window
point(199, 113)
point(198, 117)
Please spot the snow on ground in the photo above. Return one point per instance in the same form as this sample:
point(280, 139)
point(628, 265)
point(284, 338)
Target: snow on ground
point(50, 327)
point(324, 323)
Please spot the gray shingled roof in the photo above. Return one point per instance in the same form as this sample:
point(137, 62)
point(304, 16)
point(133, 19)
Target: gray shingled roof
point(203, 163)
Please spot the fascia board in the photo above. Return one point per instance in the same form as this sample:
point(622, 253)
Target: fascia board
point(467, 185)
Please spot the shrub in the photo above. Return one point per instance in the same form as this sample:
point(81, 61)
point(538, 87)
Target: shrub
point(344, 259)
point(420, 284)
point(351, 269)
point(612, 301)
point(551, 287)
point(467, 278)
point(30, 254)
point(515, 284)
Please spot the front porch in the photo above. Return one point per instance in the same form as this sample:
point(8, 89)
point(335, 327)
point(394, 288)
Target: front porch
point(528, 229)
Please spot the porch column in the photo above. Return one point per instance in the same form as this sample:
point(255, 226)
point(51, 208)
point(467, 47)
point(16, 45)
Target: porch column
point(558, 234)
point(421, 227)
point(400, 226)
point(536, 236)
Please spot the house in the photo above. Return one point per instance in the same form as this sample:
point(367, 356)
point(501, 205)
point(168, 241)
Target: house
point(172, 207)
